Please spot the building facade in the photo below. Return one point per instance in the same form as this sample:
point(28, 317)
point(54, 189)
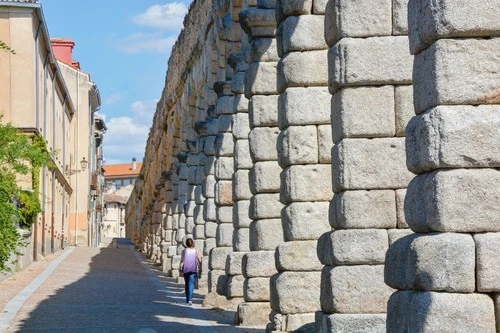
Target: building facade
point(53, 98)
point(120, 180)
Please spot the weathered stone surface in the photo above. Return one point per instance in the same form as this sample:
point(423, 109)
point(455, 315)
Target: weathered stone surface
point(302, 33)
point(462, 200)
point(265, 235)
point(209, 186)
point(218, 256)
point(430, 21)
point(217, 282)
point(488, 262)
point(224, 192)
point(258, 22)
point(298, 145)
point(199, 232)
point(241, 185)
point(325, 144)
point(435, 262)
point(363, 112)
point(304, 106)
point(454, 137)
point(241, 211)
point(438, 81)
point(265, 206)
point(358, 247)
point(235, 286)
point(224, 214)
point(357, 19)
point(496, 298)
point(265, 177)
point(224, 236)
point(224, 126)
point(241, 240)
point(440, 312)
point(396, 234)
point(297, 256)
point(303, 322)
point(263, 111)
point(285, 8)
point(224, 168)
point(241, 127)
point(263, 49)
point(210, 165)
point(261, 79)
point(306, 183)
point(369, 61)
point(263, 143)
point(400, 17)
point(287, 287)
point(258, 264)
point(303, 69)
point(224, 105)
point(400, 209)
point(403, 107)
point(242, 159)
point(257, 289)
point(234, 263)
point(210, 229)
point(359, 323)
point(305, 220)
point(370, 294)
point(253, 313)
point(363, 210)
point(382, 167)
point(240, 103)
point(208, 244)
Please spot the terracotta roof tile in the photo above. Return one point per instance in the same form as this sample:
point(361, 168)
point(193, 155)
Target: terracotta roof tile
point(117, 170)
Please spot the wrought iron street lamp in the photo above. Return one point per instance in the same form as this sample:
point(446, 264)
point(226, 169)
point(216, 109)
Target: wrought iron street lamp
point(83, 165)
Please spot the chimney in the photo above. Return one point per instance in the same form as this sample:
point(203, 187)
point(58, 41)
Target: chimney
point(134, 163)
point(63, 51)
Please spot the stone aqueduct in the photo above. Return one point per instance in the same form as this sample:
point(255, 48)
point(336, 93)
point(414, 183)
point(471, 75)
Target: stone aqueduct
point(302, 142)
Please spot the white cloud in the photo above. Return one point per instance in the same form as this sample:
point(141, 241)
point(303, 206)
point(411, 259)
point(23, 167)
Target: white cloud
point(124, 139)
point(144, 110)
point(114, 98)
point(166, 17)
point(146, 43)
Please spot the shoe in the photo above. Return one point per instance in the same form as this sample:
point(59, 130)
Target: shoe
point(190, 303)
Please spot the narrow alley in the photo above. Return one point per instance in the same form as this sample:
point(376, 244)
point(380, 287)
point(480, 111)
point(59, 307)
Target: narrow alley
point(112, 288)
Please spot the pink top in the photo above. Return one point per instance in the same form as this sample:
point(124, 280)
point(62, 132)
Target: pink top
point(190, 259)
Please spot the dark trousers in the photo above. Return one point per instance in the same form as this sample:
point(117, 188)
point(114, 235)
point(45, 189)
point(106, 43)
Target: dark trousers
point(189, 279)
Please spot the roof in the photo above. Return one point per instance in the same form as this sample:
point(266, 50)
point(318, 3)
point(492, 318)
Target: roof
point(121, 170)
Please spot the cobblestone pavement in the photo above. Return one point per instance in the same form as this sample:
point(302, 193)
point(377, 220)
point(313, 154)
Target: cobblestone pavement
point(106, 289)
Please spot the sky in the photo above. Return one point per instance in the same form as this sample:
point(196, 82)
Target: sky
point(124, 46)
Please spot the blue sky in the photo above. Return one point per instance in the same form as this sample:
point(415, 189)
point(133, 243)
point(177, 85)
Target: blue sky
point(124, 46)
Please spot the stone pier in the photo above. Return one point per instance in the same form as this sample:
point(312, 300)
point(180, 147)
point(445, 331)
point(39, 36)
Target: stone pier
point(448, 273)
point(304, 146)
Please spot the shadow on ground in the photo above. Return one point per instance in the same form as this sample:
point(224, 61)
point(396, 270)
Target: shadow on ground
point(116, 289)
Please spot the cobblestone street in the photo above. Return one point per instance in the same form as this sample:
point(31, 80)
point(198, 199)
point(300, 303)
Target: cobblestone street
point(106, 289)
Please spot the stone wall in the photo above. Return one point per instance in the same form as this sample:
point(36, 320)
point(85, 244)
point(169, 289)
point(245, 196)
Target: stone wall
point(279, 146)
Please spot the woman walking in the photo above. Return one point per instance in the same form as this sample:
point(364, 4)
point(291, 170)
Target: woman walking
point(190, 265)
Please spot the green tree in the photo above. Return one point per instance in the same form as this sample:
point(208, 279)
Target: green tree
point(20, 154)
